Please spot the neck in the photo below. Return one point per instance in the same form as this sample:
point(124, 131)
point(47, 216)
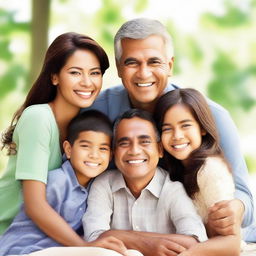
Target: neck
point(136, 186)
point(150, 107)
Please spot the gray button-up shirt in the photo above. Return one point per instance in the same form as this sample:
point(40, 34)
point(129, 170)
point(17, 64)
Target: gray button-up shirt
point(162, 207)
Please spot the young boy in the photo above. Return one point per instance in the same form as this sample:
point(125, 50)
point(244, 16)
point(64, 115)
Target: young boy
point(139, 202)
point(88, 151)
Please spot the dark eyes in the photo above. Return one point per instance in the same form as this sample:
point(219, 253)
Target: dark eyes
point(151, 62)
point(127, 143)
point(77, 73)
point(168, 129)
point(104, 148)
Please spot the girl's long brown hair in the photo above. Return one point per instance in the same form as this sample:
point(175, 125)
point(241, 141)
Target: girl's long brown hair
point(210, 142)
point(43, 90)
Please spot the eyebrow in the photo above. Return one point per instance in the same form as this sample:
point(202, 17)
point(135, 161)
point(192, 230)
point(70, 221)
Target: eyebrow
point(154, 58)
point(89, 142)
point(144, 137)
point(180, 122)
point(95, 68)
point(122, 139)
point(139, 137)
point(126, 61)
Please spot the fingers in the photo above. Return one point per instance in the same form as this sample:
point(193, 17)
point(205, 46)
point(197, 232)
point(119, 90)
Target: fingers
point(169, 248)
point(223, 219)
point(111, 243)
point(222, 205)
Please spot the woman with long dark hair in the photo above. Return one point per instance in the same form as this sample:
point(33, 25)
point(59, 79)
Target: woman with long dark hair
point(70, 79)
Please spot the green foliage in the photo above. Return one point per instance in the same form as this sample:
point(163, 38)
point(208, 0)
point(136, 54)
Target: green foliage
point(9, 27)
point(5, 53)
point(9, 81)
point(140, 5)
point(194, 52)
point(251, 163)
point(233, 17)
point(228, 86)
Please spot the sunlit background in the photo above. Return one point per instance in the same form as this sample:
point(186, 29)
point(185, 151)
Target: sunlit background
point(215, 49)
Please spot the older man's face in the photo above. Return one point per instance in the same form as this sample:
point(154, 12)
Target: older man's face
point(144, 69)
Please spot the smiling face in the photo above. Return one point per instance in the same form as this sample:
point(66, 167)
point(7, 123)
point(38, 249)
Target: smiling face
point(89, 155)
point(181, 133)
point(79, 81)
point(136, 151)
point(144, 70)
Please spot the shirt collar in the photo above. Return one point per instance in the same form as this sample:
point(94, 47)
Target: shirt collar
point(66, 166)
point(156, 184)
point(154, 187)
point(119, 181)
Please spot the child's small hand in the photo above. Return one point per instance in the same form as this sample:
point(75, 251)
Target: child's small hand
point(111, 243)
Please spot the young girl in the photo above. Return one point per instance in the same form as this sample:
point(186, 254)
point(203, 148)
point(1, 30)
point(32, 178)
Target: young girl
point(70, 79)
point(193, 155)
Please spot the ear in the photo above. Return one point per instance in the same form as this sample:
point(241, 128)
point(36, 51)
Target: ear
point(67, 148)
point(160, 149)
point(170, 63)
point(118, 68)
point(55, 79)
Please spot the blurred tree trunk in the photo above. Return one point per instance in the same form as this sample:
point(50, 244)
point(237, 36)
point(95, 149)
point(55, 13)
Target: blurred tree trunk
point(39, 37)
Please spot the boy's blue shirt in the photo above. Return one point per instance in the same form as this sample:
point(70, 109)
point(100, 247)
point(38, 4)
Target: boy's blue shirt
point(114, 101)
point(66, 196)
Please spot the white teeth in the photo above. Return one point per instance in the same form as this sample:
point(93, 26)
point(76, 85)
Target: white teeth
point(144, 85)
point(84, 93)
point(92, 164)
point(180, 146)
point(135, 161)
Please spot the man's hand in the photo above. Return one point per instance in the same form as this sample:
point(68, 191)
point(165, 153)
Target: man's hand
point(161, 247)
point(109, 242)
point(225, 218)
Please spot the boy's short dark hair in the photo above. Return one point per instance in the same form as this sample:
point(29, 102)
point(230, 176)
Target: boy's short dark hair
point(90, 120)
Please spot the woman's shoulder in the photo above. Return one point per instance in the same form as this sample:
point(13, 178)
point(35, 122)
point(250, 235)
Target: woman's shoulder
point(37, 110)
point(38, 113)
point(36, 117)
point(214, 166)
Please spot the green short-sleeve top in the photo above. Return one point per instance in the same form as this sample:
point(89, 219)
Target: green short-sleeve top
point(38, 150)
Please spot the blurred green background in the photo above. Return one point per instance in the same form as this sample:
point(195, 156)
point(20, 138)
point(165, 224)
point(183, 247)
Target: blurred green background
point(215, 49)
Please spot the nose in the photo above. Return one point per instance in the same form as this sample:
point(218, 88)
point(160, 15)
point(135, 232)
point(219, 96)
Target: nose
point(94, 153)
point(134, 149)
point(86, 80)
point(178, 134)
point(144, 71)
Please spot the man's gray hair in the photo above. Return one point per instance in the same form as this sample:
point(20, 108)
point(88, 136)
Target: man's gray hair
point(142, 28)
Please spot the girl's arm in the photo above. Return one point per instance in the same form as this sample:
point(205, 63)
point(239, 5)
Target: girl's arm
point(45, 217)
point(218, 245)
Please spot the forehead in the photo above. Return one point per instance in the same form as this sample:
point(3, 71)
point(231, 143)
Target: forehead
point(82, 57)
point(151, 46)
point(93, 137)
point(135, 127)
point(179, 112)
